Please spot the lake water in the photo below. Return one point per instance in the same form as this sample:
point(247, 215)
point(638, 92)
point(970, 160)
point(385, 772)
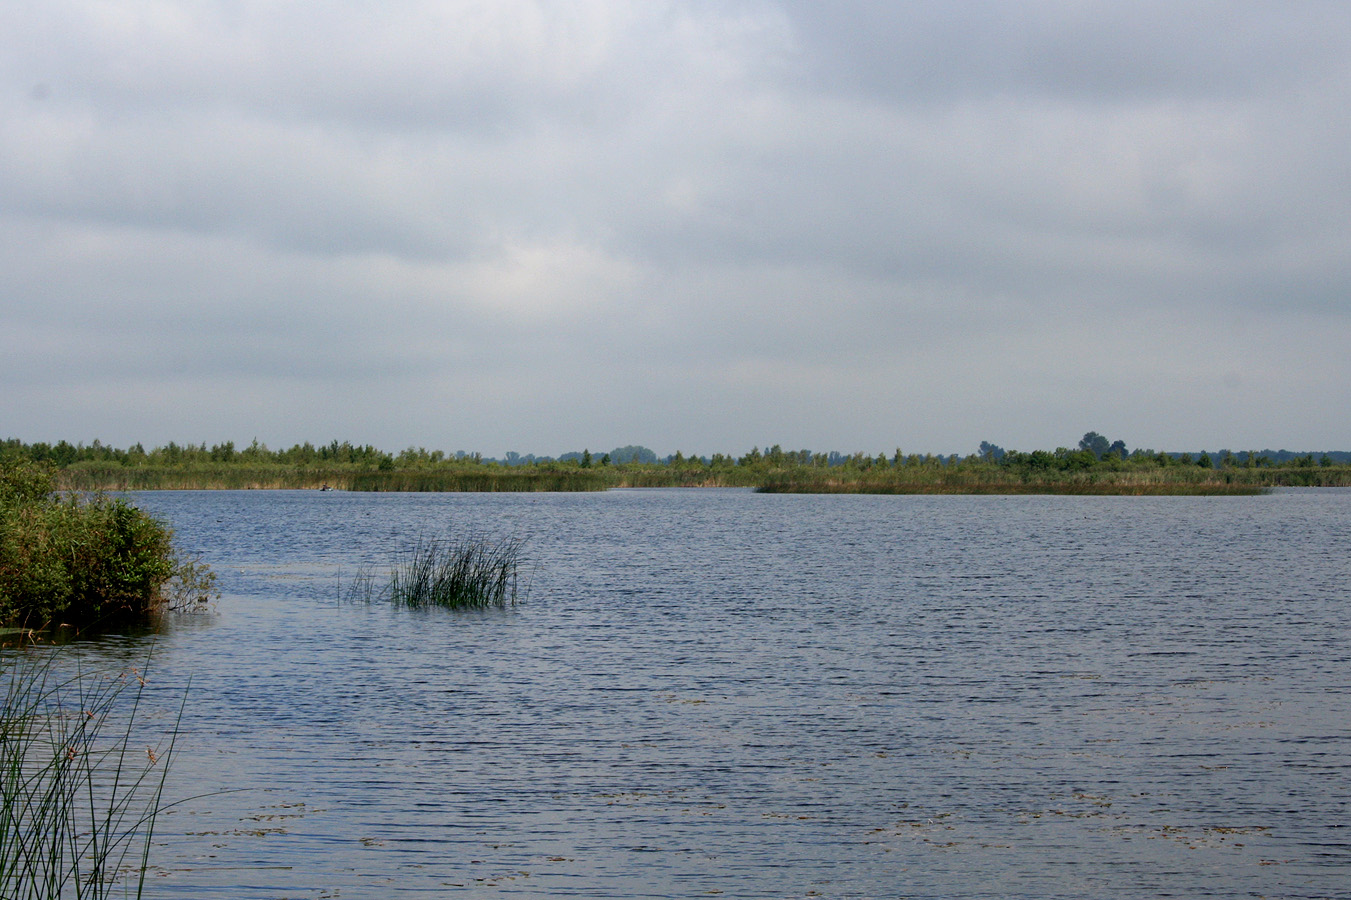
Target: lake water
point(715, 692)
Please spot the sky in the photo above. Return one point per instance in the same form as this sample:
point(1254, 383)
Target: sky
point(700, 226)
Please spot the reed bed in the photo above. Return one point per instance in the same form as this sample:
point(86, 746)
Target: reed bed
point(79, 790)
point(484, 479)
point(458, 573)
point(995, 481)
point(655, 476)
point(1055, 476)
point(221, 476)
point(113, 477)
point(472, 572)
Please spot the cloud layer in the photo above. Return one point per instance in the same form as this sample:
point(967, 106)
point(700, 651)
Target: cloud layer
point(699, 226)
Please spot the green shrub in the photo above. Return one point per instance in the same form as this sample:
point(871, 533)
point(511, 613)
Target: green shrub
point(78, 560)
point(22, 481)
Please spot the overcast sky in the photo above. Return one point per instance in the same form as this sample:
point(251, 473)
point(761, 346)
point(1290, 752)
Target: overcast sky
point(699, 226)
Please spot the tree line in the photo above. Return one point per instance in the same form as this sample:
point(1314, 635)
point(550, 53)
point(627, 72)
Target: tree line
point(1095, 463)
point(345, 453)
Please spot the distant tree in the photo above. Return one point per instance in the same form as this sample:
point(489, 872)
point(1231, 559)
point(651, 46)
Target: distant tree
point(1040, 459)
point(1118, 448)
point(1095, 444)
point(255, 452)
point(1070, 460)
point(989, 452)
point(64, 453)
point(1203, 460)
point(632, 453)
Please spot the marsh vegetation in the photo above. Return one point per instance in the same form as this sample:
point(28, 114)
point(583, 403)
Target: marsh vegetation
point(1095, 466)
point(85, 560)
point(469, 572)
point(80, 790)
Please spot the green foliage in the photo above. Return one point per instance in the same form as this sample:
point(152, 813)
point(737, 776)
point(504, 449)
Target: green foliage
point(1094, 443)
point(24, 481)
point(78, 802)
point(632, 453)
point(191, 587)
point(83, 560)
point(1095, 464)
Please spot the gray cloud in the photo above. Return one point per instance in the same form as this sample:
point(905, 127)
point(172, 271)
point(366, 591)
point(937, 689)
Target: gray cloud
point(533, 226)
point(1093, 53)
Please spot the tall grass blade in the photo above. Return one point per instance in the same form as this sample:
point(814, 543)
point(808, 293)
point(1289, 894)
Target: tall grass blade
point(78, 793)
point(457, 573)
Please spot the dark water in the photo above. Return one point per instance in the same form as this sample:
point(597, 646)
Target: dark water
point(717, 692)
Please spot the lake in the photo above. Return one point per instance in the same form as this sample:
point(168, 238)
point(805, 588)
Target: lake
point(717, 692)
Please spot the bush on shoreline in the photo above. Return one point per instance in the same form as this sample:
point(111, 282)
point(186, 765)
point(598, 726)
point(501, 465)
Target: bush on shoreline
point(85, 560)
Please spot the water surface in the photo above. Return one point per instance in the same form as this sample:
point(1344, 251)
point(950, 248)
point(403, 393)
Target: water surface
point(715, 691)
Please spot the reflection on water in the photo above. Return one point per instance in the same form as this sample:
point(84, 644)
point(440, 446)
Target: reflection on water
point(717, 691)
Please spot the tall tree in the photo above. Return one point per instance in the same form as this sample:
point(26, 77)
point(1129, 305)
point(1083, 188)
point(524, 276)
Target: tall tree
point(988, 451)
point(1095, 444)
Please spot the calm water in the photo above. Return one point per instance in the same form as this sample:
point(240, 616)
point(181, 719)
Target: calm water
point(717, 692)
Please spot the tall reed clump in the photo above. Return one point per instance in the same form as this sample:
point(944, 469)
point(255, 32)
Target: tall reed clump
point(81, 561)
point(457, 573)
point(79, 790)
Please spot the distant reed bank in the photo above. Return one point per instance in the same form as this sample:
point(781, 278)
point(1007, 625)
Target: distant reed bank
point(1091, 469)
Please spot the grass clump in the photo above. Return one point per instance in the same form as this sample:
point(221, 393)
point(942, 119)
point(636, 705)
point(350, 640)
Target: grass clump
point(456, 573)
point(79, 791)
point(85, 560)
